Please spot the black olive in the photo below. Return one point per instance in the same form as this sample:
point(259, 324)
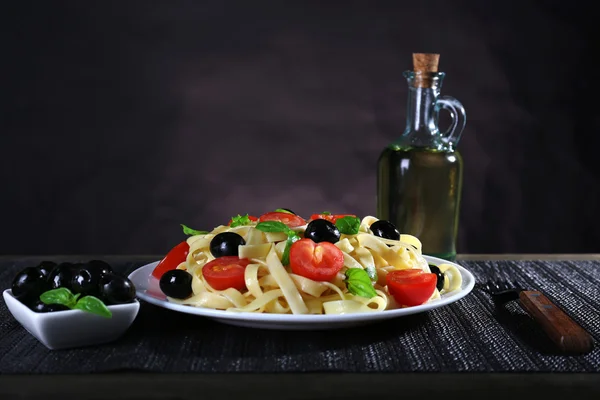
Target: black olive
point(99, 267)
point(226, 244)
point(176, 283)
point(29, 284)
point(116, 289)
point(385, 229)
point(440, 276)
point(321, 230)
point(76, 267)
point(41, 307)
point(287, 209)
point(45, 267)
point(86, 282)
point(61, 276)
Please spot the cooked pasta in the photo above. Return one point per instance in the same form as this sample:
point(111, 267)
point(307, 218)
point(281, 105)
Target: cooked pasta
point(272, 287)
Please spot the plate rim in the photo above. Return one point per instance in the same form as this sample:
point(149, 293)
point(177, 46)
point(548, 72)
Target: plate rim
point(467, 276)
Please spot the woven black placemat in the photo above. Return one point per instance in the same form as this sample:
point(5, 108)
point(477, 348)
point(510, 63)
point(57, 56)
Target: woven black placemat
point(470, 335)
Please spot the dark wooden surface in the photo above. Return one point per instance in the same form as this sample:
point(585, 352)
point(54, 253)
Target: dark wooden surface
point(302, 386)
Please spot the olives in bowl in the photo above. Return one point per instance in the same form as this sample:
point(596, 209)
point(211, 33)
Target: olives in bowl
point(45, 267)
point(29, 284)
point(72, 304)
point(34, 286)
point(61, 276)
point(116, 289)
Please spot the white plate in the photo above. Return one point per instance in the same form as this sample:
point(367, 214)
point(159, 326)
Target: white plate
point(147, 289)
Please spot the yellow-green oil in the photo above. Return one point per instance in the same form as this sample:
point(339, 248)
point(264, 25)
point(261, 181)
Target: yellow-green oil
point(419, 191)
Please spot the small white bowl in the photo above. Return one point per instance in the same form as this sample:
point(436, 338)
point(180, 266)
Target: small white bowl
point(72, 328)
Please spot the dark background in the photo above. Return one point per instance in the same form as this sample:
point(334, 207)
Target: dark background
point(122, 119)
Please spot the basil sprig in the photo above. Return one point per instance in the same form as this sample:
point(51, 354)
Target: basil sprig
point(358, 283)
point(65, 297)
point(283, 210)
point(348, 225)
point(276, 226)
point(191, 232)
point(240, 220)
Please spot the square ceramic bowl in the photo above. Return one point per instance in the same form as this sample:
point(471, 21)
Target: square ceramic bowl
point(72, 328)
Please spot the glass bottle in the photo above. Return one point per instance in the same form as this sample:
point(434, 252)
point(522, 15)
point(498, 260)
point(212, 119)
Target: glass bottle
point(419, 179)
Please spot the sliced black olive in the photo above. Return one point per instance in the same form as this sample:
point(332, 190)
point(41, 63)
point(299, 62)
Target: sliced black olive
point(385, 229)
point(176, 283)
point(321, 230)
point(116, 289)
point(226, 244)
point(61, 276)
point(86, 282)
point(440, 276)
point(41, 307)
point(288, 210)
point(99, 267)
point(28, 285)
point(45, 267)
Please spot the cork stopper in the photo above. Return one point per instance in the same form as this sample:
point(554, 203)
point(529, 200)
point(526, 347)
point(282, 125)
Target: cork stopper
point(426, 62)
point(424, 65)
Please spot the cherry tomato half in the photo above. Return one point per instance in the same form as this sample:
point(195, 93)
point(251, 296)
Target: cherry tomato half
point(174, 257)
point(290, 220)
point(226, 272)
point(329, 217)
point(411, 287)
point(250, 217)
point(317, 261)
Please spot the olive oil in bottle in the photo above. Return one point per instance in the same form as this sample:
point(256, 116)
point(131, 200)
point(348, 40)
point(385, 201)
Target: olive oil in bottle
point(419, 179)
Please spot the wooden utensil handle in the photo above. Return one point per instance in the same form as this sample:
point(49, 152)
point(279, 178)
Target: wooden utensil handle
point(562, 330)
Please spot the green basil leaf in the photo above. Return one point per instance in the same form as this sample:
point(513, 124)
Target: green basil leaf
point(361, 289)
point(191, 232)
point(283, 210)
point(272, 226)
point(358, 283)
point(59, 296)
point(285, 257)
point(325, 213)
point(348, 225)
point(93, 305)
point(357, 275)
point(240, 220)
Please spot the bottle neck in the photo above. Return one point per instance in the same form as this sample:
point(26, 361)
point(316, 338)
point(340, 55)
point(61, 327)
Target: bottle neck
point(421, 117)
point(420, 109)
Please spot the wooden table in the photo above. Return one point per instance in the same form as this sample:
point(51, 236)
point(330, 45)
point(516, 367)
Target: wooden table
point(148, 386)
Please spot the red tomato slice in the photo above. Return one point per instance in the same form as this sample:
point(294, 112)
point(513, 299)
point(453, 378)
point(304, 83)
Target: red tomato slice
point(411, 287)
point(290, 220)
point(317, 261)
point(250, 217)
point(330, 218)
point(174, 257)
point(226, 272)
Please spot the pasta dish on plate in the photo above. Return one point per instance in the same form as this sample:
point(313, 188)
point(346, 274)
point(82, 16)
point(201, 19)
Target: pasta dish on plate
point(281, 263)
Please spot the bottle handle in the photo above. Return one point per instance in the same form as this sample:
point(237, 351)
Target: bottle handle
point(458, 115)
